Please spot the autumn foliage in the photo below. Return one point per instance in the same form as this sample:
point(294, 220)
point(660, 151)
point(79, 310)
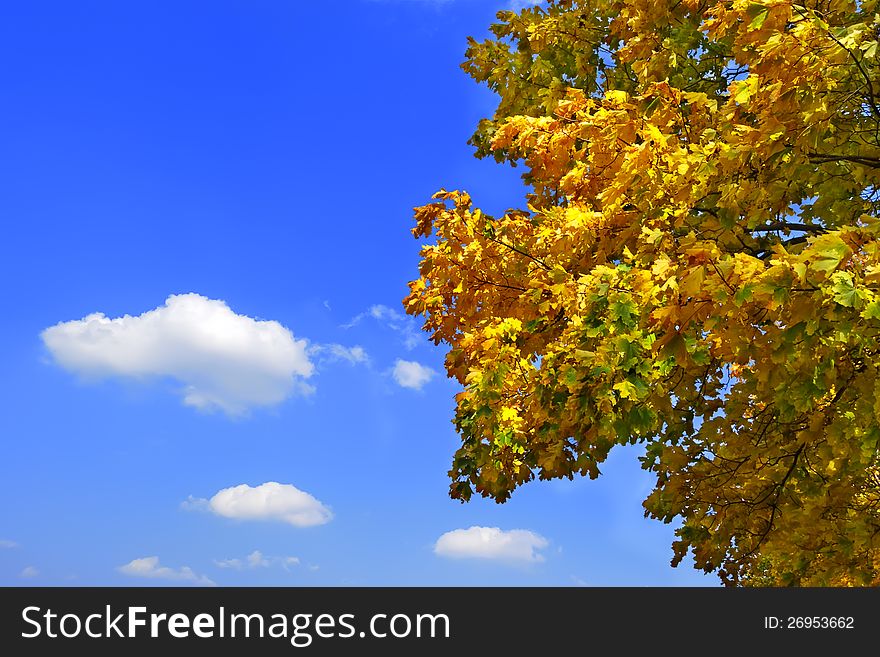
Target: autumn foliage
point(697, 270)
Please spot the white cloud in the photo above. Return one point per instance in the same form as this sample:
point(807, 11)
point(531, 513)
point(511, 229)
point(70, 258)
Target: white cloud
point(229, 563)
point(149, 567)
point(29, 572)
point(257, 559)
point(354, 354)
point(6, 543)
point(396, 321)
point(491, 543)
point(224, 360)
point(269, 501)
point(337, 352)
point(410, 374)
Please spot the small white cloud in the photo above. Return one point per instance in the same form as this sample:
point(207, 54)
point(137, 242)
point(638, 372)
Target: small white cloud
point(29, 572)
point(269, 501)
point(404, 326)
point(257, 559)
point(149, 567)
point(381, 312)
point(6, 543)
point(338, 352)
point(224, 360)
point(514, 545)
point(410, 374)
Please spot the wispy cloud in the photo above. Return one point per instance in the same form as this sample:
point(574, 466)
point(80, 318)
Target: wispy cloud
point(331, 353)
point(224, 360)
point(6, 543)
point(29, 573)
point(149, 567)
point(410, 374)
point(513, 545)
point(394, 320)
point(270, 501)
point(257, 559)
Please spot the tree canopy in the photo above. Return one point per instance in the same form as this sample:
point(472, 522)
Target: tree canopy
point(696, 270)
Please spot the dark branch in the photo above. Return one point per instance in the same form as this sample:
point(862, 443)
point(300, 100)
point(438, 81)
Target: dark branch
point(864, 160)
point(784, 225)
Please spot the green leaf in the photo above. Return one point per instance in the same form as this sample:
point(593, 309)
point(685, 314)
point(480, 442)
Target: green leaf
point(758, 20)
point(622, 310)
point(743, 294)
point(872, 310)
point(844, 292)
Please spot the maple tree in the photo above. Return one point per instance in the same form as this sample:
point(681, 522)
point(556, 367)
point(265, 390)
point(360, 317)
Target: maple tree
point(696, 271)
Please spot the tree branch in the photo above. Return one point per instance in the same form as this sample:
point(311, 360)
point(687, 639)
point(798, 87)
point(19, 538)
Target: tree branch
point(864, 160)
point(785, 225)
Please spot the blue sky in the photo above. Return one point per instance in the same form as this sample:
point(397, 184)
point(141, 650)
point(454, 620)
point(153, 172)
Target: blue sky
point(246, 171)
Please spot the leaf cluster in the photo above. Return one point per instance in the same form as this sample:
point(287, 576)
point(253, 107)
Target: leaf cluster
point(697, 270)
